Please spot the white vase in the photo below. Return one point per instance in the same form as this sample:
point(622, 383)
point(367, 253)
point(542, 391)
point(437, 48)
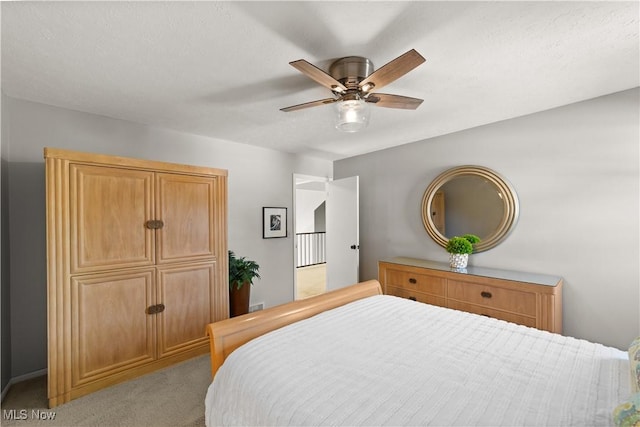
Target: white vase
point(458, 260)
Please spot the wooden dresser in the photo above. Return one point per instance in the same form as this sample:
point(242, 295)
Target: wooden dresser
point(525, 298)
point(137, 267)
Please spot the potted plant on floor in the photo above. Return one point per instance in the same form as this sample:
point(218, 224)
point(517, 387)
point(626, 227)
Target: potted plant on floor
point(459, 249)
point(241, 274)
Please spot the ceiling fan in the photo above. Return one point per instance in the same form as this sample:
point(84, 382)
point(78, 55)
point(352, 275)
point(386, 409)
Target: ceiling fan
point(352, 80)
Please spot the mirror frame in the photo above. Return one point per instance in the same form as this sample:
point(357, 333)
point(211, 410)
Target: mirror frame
point(510, 199)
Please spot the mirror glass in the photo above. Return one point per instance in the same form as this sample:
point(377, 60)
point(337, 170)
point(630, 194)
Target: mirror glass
point(469, 199)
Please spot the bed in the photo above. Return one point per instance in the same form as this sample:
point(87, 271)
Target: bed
point(357, 357)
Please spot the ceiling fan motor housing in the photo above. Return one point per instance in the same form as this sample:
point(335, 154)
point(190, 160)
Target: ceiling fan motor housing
point(351, 70)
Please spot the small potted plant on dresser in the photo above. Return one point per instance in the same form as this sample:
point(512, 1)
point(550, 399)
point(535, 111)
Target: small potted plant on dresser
point(241, 274)
point(459, 249)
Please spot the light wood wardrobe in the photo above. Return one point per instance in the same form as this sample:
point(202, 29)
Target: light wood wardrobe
point(136, 265)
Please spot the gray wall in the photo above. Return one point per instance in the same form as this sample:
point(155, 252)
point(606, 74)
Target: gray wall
point(257, 177)
point(5, 320)
point(576, 172)
point(308, 217)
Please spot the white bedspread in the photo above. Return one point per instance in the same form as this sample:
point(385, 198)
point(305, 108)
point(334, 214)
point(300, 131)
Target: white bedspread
point(390, 361)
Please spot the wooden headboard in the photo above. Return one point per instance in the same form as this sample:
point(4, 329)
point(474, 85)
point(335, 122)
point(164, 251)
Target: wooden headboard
point(227, 335)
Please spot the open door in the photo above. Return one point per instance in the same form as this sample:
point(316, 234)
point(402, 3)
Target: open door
point(343, 236)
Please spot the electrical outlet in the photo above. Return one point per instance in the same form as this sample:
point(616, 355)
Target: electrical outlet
point(256, 307)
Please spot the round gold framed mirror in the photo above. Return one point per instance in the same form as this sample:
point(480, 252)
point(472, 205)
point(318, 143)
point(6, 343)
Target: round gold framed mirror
point(470, 200)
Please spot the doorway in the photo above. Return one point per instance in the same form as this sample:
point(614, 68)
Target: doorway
point(325, 226)
point(309, 222)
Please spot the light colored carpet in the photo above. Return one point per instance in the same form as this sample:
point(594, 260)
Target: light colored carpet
point(171, 397)
point(311, 280)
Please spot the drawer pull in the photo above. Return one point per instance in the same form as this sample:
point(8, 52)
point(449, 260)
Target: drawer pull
point(412, 280)
point(412, 298)
point(485, 294)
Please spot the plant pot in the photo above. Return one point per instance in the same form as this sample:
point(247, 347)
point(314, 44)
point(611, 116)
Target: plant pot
point(239, 299)
point(458, 261)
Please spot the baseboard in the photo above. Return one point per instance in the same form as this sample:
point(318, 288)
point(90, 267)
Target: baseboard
point(21, 378)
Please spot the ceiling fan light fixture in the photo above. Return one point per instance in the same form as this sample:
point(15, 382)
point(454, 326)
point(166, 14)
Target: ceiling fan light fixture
point(352, 115)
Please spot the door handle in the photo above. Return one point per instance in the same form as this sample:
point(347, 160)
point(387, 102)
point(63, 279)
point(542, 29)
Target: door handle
point(155, 309)
point(355, 246)
point(154, 224)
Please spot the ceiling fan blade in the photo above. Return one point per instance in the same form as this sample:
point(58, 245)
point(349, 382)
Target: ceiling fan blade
point(392, 71)
point(393, 101)
point(318, 75)
point(309, 104)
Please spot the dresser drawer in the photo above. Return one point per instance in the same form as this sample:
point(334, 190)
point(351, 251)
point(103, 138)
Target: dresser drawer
point(496, 314)
point(416, 296)
point(520, 302)
point(417, 282)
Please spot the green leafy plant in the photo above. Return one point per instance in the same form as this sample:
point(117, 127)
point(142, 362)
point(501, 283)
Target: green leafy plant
point(462, 245)
point(472, 238)
point(241, 271)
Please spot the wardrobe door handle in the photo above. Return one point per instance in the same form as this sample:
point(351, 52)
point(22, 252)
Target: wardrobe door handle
point(485, 294)
point(412, 280)
point(155, 309)
point(154, 224)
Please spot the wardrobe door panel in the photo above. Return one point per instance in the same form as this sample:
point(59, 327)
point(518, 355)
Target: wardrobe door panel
point(185, 205)
point(109, 208)
point(187, 294)
point(111, 330)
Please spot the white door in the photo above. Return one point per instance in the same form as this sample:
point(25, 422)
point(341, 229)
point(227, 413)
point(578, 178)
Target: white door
point(343, 243)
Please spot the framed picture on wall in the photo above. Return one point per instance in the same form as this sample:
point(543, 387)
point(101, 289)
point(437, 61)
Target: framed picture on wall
point(274, 222)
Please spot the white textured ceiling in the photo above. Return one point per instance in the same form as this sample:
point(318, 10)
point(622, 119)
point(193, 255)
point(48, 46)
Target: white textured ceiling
point(221, 68)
